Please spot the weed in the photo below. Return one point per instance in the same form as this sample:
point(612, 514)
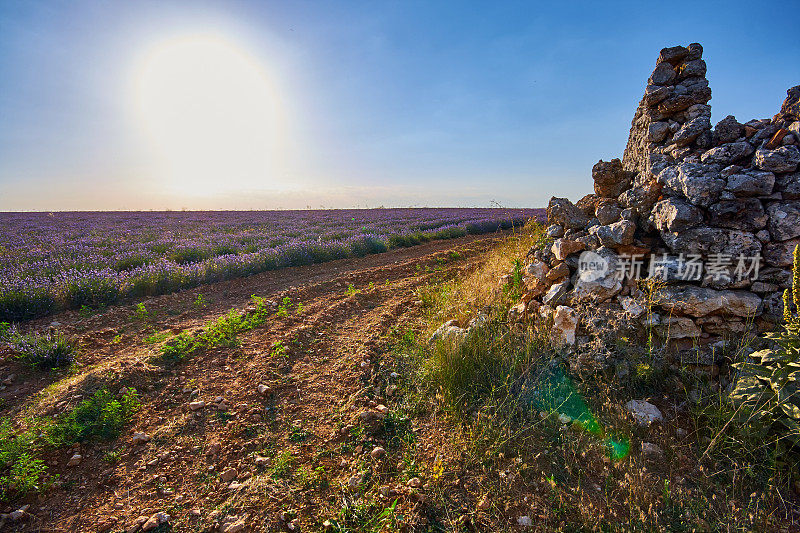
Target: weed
point(103, 416)
point(140, 312)
point(298, 434)
point(282, 465)
point(279, 350)
point(199, 302)
point(113, 457)
point(283, 308)
point(155, 338)
point(351, 290)
point(221, 332)
point(20, 469)
point(5, 328)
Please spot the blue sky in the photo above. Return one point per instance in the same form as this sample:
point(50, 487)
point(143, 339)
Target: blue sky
point(380, 103)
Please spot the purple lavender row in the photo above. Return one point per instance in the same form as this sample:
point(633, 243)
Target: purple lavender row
point(50, 262)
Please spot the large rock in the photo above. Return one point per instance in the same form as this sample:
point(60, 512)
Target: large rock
point(644, 413)
point(700, 184)
point(783, 159)
point(616, 234)
point(691, 130)
point(727, 130)
point(695, 67)
point(701, 301)
point(727, 153)
point(664, 74)
point(751, 183)
point(743, 213)
point(675, 103)
point(641, 196)
point(673, 54)
point(704, 241)
point(789, 186)
point(564, 213)
point(675, 214)
point(779, 254)
point(536, 271)
point(784, 220)
point(679, 327)
point(565, 322)
point(563, 248)
point(653, 94)
point(610, 179)
point(657, 131)
point(596, 279)
point(790, 110)
point(556, 294)
point(608, 213)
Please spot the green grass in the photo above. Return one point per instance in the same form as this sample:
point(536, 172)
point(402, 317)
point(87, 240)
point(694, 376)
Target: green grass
point(100, 417)
point(222, 332)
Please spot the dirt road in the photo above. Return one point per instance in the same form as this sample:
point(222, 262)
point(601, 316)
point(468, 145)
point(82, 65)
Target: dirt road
point(235, 454)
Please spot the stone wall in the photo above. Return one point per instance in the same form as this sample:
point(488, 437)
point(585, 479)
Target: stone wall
point(683, 194)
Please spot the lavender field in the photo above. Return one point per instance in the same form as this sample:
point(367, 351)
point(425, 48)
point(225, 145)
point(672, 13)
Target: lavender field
point(55, 261)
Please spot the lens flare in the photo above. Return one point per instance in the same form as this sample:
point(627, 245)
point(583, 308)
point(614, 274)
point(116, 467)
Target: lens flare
point(553, 391)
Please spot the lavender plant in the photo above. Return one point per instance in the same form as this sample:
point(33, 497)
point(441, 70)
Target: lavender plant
point(70, 260)
point(43, 350)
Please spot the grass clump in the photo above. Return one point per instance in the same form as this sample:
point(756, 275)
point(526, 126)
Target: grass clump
point(101, 417)
point(20, 469)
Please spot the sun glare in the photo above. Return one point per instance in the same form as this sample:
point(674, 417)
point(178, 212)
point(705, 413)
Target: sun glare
point(213, 115)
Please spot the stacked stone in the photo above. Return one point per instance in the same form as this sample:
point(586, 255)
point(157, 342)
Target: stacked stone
point(682, 190)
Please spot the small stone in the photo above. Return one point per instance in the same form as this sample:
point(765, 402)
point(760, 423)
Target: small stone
point(228, 475)
point(196, 406)
point(414, 483)
point(525, 521)
point(263, 390)
point(354, 481)
point(644, 413)
point(107, 524)
point(140, 438)
point(19, 514)
point(565, 322)
point(783, 159)
point(235, 526)
point(651, 450)
point(155, 521)
point(213, 448)
point(75, 460)
point(484, 503)
point(377, 453)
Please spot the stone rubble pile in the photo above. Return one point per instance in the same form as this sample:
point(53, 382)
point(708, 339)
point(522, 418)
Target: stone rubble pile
point(685, 194)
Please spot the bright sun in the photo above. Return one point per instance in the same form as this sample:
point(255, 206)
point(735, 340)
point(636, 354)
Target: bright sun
point(212, 114)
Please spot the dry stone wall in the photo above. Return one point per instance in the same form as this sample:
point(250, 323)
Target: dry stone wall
point(713, 213)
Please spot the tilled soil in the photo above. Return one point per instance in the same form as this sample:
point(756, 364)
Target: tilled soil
point(282, 460)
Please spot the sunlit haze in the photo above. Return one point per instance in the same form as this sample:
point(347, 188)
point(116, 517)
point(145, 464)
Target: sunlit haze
point(265, 105)
point(212, 116)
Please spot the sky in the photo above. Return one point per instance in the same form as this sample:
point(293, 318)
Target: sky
point(292, 105)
